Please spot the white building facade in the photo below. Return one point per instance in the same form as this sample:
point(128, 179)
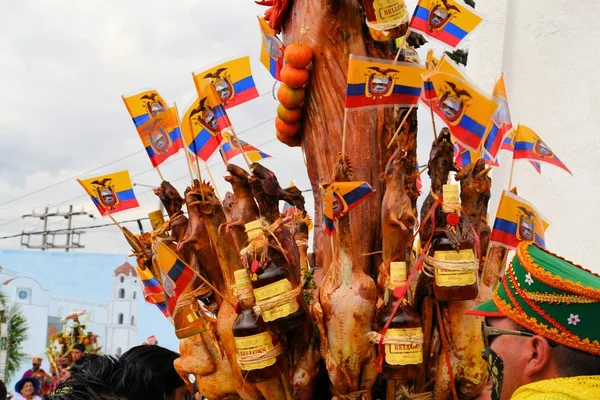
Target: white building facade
point(548, 52)
point(114, 322)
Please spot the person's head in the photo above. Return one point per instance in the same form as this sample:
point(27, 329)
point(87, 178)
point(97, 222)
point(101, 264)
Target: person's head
point(542, 321)
point(27, 386)
point(63, 363)
point(144, 372)
point(36, 363)
point(3, 391)
point(78, 352)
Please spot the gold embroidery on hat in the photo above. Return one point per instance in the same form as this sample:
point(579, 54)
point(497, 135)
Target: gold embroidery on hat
point(548, 278)
point(558, 298)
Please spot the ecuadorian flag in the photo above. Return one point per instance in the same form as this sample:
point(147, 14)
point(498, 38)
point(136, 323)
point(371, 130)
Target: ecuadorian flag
point(339, 198)
point(382, 83)
point(440, 65)
point(111, 193)
point(448, 21)
point(508, 144)
point(528, 145)
point(501, 122)
point(152, 290)
point(464, 157)
point(232, 147)
point(232, 80)
point(144, 105)
point(465, 110)
point(517, 220)
point(176, 275)
point(203, 122)
point(271, 51)
point(161, 136)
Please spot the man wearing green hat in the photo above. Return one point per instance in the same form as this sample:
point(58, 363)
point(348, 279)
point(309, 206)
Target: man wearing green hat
point(542, 329)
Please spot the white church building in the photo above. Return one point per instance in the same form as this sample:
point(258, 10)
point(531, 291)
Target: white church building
point(115, 322)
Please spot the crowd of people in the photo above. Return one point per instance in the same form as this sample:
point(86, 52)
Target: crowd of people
point(541, 331)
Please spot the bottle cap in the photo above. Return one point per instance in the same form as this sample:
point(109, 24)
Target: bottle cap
point(256, 224)
point(241, 278)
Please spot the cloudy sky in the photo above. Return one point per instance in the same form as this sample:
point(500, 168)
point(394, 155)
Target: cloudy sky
point(65, 65)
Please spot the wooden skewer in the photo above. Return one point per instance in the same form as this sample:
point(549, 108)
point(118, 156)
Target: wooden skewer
point(344, 133)
point(401, 125)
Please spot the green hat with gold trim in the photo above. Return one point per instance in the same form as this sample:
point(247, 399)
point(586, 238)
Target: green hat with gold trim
point(550, 296)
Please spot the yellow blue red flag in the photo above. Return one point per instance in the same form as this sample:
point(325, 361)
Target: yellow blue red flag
point(448, 21)
point(443, 64)
point(339, 198)
point(161, 136)
point(152, 290)
point(176, 275)
point(529, 146)
point(382, 83)
point(203, 123)
point(464, 157)
point(271, 51)
point(232, 80)
point(517, 220)
point(111, 193)
point(501, 122)
point(232, 147)
point(465, 110)
point(144, 105)
point(508, 144)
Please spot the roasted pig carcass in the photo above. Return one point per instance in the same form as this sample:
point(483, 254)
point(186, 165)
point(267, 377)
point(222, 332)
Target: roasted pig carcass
point(201, 356)
point(212, 211)
point(397, 218)
point(475, 193)
point(441, 162)
point(345, 313)
point(244, 208)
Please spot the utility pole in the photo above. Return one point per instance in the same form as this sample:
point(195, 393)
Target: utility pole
point(72, 236)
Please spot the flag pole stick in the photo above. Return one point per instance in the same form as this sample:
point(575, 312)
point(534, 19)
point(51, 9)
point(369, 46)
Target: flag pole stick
point(162, 178)
point(114, 220)
point(401, 125)
point(512, 170)
point(344, 133)
point(241, 148)
point(187, 158)
point(225, 160)
point(212, 181)
point(433, 120)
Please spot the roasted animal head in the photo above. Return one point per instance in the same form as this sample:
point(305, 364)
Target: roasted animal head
point(228, 201)
point(343, 169)
point(203, 196)
point(294, 197)
point(396, 167)
point(474, 177)
point(266, 191)
point(441, 159)
point(237, 175)
point(169, 196)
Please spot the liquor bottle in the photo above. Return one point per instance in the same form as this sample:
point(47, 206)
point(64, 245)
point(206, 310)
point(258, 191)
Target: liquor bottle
point(251, 336)
point(401, 361)
point(386, 19)
point(271, 278)
point(454, 285)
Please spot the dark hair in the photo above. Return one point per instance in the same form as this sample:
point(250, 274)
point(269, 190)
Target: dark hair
point(144, 373)
point(3, 391)
point(79, 347)
point(570, 362)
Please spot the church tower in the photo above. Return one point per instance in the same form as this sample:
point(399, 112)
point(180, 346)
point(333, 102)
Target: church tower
point(121, 327)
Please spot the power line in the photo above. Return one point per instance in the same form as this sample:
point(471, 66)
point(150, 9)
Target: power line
point(102, 166)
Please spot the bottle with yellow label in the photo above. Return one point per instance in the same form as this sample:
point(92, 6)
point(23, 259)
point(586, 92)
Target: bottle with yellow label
point(272, 280)
point(460, 281)
point(252, 340)
point(386, 19)
point(404, 358)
